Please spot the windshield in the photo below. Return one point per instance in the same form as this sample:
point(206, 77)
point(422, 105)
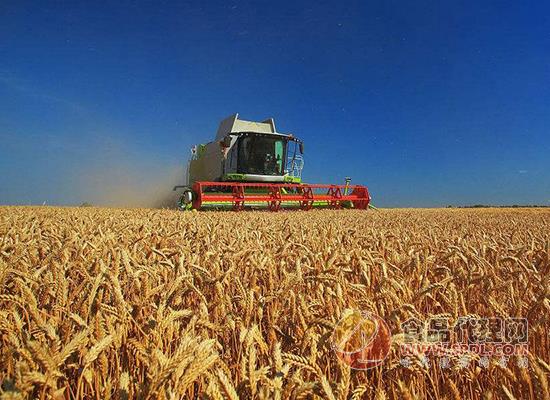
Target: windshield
point(261, 155)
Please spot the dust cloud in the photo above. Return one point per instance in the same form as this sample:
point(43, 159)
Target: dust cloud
point(120, 179)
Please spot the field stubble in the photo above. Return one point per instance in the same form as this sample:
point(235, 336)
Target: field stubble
point(129, 303)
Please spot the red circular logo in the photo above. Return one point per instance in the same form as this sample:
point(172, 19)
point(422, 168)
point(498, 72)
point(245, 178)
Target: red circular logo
point(361, 339)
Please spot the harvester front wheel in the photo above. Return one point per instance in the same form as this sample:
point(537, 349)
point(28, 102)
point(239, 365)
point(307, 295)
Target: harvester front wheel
point(185, 201)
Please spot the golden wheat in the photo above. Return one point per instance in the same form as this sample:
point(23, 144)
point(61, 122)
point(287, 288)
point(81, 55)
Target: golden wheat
point(135, 303)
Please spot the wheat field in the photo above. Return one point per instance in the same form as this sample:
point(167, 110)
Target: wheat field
point(132, 303)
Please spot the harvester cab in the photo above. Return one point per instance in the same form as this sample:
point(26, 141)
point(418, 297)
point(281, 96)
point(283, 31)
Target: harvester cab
point(250, 164)
point(246, 151)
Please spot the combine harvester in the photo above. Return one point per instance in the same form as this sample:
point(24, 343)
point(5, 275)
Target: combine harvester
point(252, 165)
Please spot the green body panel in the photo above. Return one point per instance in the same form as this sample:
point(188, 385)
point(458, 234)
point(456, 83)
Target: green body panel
point(233, 177)
point(242, 178)
point(293, 179)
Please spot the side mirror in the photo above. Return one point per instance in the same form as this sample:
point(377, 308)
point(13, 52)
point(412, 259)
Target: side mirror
point(226, 142)
point(302, 147)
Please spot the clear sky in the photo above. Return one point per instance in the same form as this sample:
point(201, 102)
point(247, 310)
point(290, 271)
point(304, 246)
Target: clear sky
point(427, 103)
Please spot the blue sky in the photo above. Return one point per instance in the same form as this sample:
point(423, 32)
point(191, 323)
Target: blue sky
point(427, 103)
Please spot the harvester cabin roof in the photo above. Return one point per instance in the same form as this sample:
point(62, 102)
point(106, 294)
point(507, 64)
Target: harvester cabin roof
point(233, 124)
